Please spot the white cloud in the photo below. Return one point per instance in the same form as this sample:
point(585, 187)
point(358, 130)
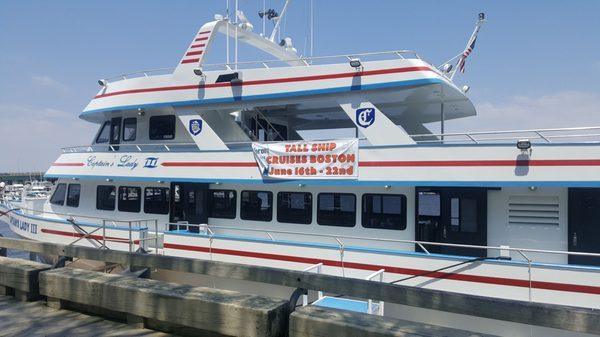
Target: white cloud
point(48, 82)
point(32, 136)
point(561, 109)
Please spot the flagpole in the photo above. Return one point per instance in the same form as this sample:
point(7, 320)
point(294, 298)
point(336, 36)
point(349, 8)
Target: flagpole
point(478, 25)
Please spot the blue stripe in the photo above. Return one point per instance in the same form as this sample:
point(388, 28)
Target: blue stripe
point(339, 182)
point(200, 102)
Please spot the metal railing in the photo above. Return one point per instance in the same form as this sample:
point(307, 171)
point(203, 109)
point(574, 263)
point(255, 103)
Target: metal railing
point(142, 226)
point(576, 134)
point(300, 61)
point(504, 251)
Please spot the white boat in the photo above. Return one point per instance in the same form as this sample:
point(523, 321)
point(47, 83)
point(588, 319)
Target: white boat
point(214, 162)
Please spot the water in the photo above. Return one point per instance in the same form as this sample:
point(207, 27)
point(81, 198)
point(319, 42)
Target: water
point(6, 232)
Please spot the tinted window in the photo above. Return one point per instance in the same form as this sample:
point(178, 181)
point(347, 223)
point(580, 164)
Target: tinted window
point(336, 209)
point(294, 207)
point(129, 199)
point(129, 129)
point(156, 200)
point(106, 197)
point(221, 204)
point(256, 205)
point(384, 211)
point(58, 198)
point(73, 195)
point(104, 133)
point(162, 127)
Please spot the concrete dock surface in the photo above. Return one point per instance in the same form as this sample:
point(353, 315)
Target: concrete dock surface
point(36, 319)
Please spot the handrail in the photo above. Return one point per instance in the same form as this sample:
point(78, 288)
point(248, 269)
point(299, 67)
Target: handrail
point(468, 137)
point(306, 61)
point(427, 243)
point(71, 215)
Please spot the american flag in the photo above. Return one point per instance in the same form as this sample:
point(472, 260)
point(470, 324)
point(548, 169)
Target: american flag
point(468, 50)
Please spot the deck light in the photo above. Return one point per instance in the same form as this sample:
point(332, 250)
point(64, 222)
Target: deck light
point(108, 180)
point(160, 181)
point(141, 112)
point(75, 178)
point(465, 88)
point(523, 144)
point(198, 71)
point(387, 187)
point(102, 82)
point(447, 68)
point(355, 63)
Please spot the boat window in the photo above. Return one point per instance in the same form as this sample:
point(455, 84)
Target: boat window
point(106, 197)
point(384, 211)
point(257, 205)
point(58, 197)
point(162, 127)
point(129, 129)
point(73, 195)
point(336, 209)
point(156, 200)
point(104, 134)
point(129, 199)
point(221, 204)
point(294, 207)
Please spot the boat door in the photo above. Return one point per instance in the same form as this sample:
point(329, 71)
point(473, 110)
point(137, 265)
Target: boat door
point(584, 224)
point(452, 215)
point(115, 133)
point(189, 203)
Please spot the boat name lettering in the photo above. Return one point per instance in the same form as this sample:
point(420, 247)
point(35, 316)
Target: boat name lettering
point(128, 161)
point(125, 161)
point(23, 226)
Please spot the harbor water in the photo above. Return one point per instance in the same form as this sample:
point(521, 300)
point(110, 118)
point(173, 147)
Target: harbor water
point(6, 232)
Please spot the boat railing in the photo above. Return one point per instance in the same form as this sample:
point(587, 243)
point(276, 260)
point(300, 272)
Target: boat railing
point(579, 134)
point(590, 134)
point(142, 226)
point(302, 61)
point(495, 253)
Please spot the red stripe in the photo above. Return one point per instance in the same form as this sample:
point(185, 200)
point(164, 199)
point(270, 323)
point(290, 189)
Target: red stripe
point(271, 81)
point(68, 164)
point(201, 39)
point(193, 53)
point(197, 45)
point(511, 163)
point(209, 164)
point(396, 270)
point(190, 61)
point(79, 235)
point(206, 32)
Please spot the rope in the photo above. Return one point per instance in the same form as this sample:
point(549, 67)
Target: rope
point(448, 267)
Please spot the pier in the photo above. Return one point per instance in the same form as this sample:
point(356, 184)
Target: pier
point(132, 297)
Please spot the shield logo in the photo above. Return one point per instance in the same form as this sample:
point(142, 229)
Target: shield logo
point(365, 117)
point(195, 126)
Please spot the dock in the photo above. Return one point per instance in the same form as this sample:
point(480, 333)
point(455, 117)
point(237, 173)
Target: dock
point(33, 319)
point(130, 302)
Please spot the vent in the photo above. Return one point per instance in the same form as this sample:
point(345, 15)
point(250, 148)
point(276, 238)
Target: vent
point(533, 210)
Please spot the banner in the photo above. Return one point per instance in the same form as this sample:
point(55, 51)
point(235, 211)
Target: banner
point(308, 159)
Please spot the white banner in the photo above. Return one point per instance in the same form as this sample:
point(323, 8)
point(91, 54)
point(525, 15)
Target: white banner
point(308, 159)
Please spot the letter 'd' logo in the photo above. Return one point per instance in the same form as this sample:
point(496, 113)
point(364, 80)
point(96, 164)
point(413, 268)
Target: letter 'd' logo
point(365, 117)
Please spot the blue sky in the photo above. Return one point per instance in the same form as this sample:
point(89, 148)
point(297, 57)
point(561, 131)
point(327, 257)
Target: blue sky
point(536, 63)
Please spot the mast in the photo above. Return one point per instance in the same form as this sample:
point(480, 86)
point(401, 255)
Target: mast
point(278, 24)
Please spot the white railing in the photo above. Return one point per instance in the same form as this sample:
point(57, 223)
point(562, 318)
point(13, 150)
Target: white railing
point(540, 135)
point(504, 251)
point(577, 134)
point(304, 61)
point(142, 226)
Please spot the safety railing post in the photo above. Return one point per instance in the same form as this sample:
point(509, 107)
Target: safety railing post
point(130, 241)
